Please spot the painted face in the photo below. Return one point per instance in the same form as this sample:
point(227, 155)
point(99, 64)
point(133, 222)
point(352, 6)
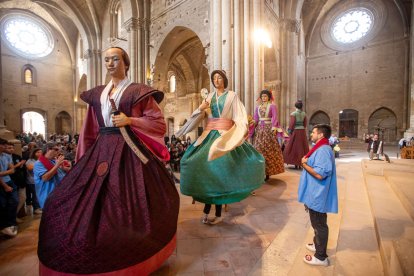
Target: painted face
point(218, 81)
point(114, 63)
point(264, 98)
point(315, 136)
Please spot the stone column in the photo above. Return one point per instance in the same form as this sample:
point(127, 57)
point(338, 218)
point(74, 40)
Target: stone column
point(257, 51)
point(247, 43)
point(410, 131)
point(289, 75)
point(226, 36)
point(217, 41)
point(132, 28)
point(237, 56)
point(147, 74)
point(91, 56)
point(2, 126)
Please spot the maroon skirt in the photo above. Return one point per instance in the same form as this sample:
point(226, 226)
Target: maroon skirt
point(110, 213)
point(296, 148)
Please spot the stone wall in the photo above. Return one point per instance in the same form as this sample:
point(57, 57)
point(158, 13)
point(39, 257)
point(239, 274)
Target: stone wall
point(52, 88)
point(365, 78)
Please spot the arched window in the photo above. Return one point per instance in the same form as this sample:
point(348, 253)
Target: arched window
point(116, 20)
point(173, 83)
point(352, 25)
point(119, 21)
point(27, 36)
point(28, 76)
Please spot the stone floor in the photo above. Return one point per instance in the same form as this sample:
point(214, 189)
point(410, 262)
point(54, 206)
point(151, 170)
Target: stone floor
point(262, 235)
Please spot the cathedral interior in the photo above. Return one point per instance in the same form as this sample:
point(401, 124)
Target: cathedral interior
point(349, 61)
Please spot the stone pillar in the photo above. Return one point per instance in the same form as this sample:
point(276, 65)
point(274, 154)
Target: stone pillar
point(258, 73)
point(147, 71)
point(132, 28)
point(217, 42)
point(226, 36)
point(2, 126)
point(289, 75)
point(410, 131)
point(237, 50)
point(247, 45)
point(94, 72)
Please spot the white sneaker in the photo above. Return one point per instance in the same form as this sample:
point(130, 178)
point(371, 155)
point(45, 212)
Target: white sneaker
point(10, 231)
point(312, 260)
point(204, 219)
point(215, 220)
point(311, 247)
point(38, 211)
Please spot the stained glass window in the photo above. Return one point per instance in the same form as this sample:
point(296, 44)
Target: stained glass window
point(352, 25)
point(27, 37)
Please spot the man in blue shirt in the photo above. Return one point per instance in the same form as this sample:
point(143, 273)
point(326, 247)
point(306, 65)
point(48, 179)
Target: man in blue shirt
point(8, 193)
point(318, 191)
point(47, 172)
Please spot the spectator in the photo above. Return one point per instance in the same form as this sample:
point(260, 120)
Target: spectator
point(31, 198)
point(19, 175)
point(9, 198)
point(46, 172)
point(318, 191)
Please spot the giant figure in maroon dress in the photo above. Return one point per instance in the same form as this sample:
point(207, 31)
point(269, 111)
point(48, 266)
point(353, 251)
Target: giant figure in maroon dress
point(112, 213)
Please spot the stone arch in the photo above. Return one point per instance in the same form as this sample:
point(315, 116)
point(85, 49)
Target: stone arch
point(181, 54)
point(348, 123)
point(319, 117)
point(63, 123)
point(384, 122)
point(30, 123)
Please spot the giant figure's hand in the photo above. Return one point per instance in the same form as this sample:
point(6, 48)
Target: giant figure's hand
point(121, 120)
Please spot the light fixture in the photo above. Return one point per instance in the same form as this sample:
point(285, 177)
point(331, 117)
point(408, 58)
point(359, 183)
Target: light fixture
point(263, 37)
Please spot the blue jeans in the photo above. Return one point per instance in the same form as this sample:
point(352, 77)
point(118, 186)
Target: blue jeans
point(8, 206)
point(31, 198)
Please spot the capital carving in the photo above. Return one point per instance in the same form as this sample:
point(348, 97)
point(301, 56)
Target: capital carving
point(291, 25)
point(132, 24)
point(89, 53)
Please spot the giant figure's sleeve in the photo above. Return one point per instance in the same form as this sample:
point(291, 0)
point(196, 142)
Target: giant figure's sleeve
point(149, 125)
point(90, 127)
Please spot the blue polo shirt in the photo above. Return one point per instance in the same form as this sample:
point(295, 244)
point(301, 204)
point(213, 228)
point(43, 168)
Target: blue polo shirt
point(5, 160)
point(320, 195)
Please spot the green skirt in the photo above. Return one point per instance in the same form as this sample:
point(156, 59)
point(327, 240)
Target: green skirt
point(230, 178)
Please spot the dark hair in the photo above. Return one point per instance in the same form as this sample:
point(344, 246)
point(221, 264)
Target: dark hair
point(266, 92)
point(125, 58)
point(222, 73)
point(3, 142)
point(48, 146)
point(33, 153)
point(325, 129)
point(299, 104)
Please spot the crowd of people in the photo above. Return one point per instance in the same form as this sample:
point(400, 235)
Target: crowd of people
point(29, 178)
